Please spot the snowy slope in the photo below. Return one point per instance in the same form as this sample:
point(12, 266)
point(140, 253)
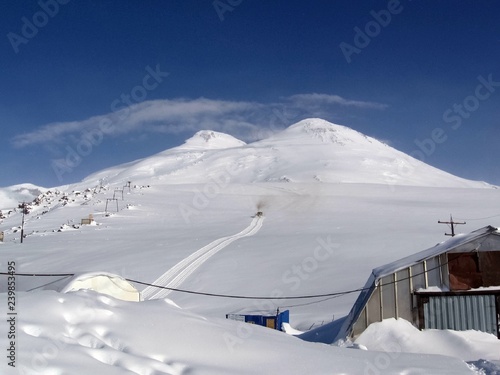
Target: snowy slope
point(182, 163)
point(12, 195)
point(312, 150)
point(314, 238)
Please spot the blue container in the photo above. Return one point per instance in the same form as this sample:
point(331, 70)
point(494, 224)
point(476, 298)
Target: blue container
point(274, 321)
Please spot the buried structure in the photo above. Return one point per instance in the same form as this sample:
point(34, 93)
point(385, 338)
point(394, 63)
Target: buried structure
point(274, 320)
point(454, 285)
point(100, 282)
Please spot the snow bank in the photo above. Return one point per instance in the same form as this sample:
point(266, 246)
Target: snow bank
point(88, 333)
point(401, 335)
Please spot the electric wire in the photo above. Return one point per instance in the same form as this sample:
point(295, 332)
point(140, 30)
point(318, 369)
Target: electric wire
point(479, 218)
point(235, 296)
point(52, 282)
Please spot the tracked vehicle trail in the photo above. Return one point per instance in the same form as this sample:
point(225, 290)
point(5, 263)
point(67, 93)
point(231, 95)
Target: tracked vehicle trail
point(182, 270)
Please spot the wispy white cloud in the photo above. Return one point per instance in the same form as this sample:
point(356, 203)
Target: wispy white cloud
point(243, 119)
point(305, 100)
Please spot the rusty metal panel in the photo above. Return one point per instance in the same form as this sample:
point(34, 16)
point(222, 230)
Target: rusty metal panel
point(464, 271)
point(489, 264)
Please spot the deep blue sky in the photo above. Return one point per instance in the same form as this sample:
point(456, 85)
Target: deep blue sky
point(244, 68)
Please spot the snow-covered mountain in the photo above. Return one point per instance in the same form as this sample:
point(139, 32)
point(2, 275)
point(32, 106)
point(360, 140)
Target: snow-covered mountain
point(312, 150)
point(335, 205)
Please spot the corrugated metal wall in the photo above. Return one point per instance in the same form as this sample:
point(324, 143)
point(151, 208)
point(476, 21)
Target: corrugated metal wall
point(461, 312)
point(392, 297)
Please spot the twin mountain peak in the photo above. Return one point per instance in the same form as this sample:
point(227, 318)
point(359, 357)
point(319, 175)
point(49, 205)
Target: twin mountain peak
point(310, 151)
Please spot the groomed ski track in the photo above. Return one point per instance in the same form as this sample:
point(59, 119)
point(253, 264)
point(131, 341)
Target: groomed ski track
point(182, 270)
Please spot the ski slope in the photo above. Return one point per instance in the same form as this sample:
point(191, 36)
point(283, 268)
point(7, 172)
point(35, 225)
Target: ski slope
point(176, 275)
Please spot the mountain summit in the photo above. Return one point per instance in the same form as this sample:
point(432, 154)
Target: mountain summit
point(315, 130)
point(209, 139)
point(312, 150)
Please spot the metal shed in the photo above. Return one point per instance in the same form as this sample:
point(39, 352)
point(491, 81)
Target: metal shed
point(265, 319)
point(459, 278)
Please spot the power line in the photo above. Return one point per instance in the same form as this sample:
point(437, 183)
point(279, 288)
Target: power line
point(46, 284)
point(313, 302)
point(37, 274)
point(235, 296)
point(481, 218)
point(246, 297)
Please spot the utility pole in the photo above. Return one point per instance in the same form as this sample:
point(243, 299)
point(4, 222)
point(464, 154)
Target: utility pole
point(452, 224)
point(23, 207)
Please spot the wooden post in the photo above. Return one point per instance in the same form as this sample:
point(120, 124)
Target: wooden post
point(23, 207)
point(452, 224)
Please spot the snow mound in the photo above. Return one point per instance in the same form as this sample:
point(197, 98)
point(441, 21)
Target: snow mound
point(88, 333)
point(399, 335)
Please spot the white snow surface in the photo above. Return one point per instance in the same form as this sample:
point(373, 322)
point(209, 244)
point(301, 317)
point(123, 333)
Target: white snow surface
point(86, 333)
point(209, 139)
point(316, 236)
point(399, 335)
